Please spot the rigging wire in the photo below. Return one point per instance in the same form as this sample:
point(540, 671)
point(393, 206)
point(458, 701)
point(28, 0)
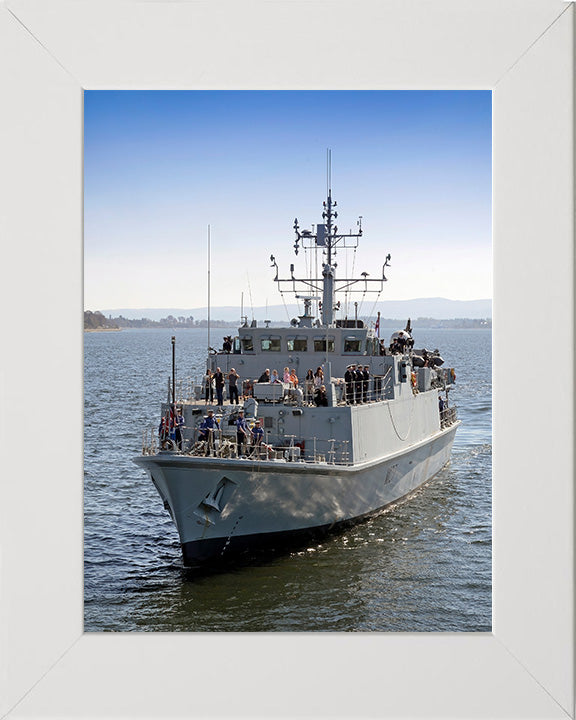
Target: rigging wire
point(375, 301)
point(346, 298)
point(285, 306)
point(361, 302)
point(250, 294)
point(353, 267)
point(316, 270)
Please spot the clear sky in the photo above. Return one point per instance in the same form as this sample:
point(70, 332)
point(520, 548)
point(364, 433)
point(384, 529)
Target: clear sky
point(161, 166)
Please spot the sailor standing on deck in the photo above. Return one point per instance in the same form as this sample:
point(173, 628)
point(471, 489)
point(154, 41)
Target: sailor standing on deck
point(257, 436)
point(242, 432)
point(358, 383)
point(178, 425)
point(219, 381)
point(209, 386)
point(207, 430)
point(233, 386)
point(349, 380)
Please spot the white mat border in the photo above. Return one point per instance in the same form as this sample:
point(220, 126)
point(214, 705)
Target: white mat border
point(48, 667)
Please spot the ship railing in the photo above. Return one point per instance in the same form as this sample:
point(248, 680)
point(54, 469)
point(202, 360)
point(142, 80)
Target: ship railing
point(215, 443)
point(361, 392)
point(376, 389)
point(314, 450)
point(149, 441)
point(448, 416)
point(187, 390)
point(328, 451)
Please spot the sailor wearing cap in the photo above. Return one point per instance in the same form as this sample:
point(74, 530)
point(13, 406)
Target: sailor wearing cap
point(358, 384)
point(178, 425)
point(207, 429)
point(242, 432)
point(258, 432)
point(349, 380)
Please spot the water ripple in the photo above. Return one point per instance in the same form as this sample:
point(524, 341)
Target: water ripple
point(424, 565)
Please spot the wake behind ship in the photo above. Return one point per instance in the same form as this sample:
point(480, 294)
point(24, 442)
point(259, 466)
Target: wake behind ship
point(283, 460)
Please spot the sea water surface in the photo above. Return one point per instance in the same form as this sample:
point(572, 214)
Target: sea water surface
point(423, 565)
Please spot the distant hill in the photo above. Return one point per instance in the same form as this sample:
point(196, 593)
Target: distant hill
point(97, 321)
point(439, 308)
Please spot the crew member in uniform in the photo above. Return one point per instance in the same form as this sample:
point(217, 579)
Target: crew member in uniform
point(358, 382)
point(349, 380)
point(257, 437)
point(178, 425)
point(207, 430)
point(242, 431)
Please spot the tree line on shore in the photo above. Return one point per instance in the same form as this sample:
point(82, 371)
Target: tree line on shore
point(98, 321)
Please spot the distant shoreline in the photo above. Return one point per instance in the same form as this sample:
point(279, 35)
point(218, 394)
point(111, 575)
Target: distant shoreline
point(97, 322)
point(102, 329)
point(383, 327)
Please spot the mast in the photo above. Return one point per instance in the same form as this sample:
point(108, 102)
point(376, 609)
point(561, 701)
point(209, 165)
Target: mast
point(173, 369)
point(328, 270)
point(325, 237)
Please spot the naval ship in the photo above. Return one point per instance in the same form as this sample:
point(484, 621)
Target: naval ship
point(283, 460)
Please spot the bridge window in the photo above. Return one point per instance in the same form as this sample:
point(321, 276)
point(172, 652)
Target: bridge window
point(320, 344)
point(247, 343)
point(297, 344)
point(352, 344)
point(270, 343)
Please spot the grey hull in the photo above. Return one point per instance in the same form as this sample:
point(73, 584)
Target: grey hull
point(225, 510)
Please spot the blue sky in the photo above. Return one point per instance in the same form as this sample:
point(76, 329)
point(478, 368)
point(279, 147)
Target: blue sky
point(161, 166)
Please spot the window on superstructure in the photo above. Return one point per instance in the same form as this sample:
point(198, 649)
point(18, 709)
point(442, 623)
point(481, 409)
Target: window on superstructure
point(247, 343)
point(270, 344)
point(297, 344)
point(320, 344)
point(351, 345)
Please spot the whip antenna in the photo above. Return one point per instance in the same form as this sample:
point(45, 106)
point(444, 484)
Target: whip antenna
point(208, 290)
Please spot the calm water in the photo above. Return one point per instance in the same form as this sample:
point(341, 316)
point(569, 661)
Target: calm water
point(424, 565)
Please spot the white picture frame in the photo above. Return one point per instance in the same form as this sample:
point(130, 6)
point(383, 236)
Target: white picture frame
point(51, 50)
